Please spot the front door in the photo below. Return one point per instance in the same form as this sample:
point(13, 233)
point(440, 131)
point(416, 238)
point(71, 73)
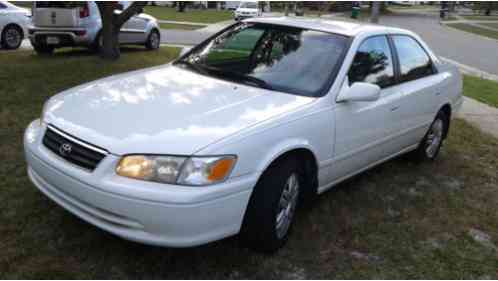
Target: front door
point(366, 132)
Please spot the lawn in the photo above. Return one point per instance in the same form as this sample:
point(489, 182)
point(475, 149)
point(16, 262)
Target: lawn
point(481, 17)
point(180, 26)
point(490, 24)
point(483, 90)
point(474, 29)
point(400, 220)
point(203, 16)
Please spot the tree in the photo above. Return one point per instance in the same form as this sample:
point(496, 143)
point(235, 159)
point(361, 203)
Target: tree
point(375, 12)
point(112, 22)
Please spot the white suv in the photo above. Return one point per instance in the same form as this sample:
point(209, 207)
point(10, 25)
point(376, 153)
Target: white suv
point(236, 133)
point(70, 23)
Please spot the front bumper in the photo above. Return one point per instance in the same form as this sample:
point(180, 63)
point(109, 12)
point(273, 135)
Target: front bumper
point(149, 213)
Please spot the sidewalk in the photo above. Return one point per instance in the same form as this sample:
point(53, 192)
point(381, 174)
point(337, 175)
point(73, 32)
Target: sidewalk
point(481, 115)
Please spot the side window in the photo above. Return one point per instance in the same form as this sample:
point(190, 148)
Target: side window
point(2, 6)
point(413, 60)
point(373, 63)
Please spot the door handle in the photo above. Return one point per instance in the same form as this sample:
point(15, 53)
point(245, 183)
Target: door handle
point(438, 93)
point(394, 108)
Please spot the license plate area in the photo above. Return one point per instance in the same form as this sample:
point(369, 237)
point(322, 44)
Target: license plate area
point(52, 40)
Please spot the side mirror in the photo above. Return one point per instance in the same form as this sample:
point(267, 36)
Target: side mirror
point(185, 50)
point(140, 11)
point(360, 91)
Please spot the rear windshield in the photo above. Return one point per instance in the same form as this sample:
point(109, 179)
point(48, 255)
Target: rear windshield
point(61, 4)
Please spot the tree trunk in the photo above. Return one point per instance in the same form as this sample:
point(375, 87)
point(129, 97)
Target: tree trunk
point(111, 25)
point(375, 13)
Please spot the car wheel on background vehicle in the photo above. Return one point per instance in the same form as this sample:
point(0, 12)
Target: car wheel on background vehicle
point(12, 37)
point(429, 147)
point(97, 43)
point(43, 49)
point(270, 213)
point(154, 40)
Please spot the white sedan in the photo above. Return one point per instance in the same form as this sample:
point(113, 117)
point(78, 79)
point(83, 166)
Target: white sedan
point(234, 135)
point(14, 22)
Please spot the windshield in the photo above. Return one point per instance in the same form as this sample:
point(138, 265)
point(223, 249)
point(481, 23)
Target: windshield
point(248, 5)
point(287, 59)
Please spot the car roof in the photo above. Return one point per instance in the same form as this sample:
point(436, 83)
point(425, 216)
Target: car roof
point(332, 26)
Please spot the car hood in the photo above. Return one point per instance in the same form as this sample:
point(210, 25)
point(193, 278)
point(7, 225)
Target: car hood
point(163, 110)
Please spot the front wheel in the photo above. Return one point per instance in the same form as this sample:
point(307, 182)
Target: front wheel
point(270, 213)
point(429, 147)
point(153, 41)
point(12, 37)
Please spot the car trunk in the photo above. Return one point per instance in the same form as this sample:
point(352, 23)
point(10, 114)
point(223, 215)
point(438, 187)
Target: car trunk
point(59, 14)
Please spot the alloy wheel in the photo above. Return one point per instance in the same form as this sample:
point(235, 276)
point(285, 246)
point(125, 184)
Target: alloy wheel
point(287, 205)
point(434, 138)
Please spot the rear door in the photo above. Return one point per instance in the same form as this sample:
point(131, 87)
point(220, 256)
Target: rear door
point(419, 82)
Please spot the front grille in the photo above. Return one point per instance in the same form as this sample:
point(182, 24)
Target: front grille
point(72, 149)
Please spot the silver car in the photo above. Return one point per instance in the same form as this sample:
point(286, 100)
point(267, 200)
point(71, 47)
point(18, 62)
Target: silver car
point(58, 24)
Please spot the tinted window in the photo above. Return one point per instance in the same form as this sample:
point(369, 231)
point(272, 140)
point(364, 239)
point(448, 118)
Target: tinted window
point(287, 59)
point(414, 61)
point(2, 6)
point(373, 63)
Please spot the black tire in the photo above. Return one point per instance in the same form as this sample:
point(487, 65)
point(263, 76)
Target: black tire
point(43, 49)
point(153, 40)
point(259, 229)
point(97, 43)
point(12, 36)
point(427, 149)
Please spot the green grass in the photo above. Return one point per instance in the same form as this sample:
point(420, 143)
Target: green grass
point(400, 220)
point(481, 17)
point(490, 24)
point(180, 26)
point(203, 16)
point(483, 90)
point(475, 30)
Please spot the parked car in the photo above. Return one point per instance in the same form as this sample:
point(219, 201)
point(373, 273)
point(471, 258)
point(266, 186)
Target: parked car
point(14, 22)
point(60, 24)
point(247, 9)
point(241, 130)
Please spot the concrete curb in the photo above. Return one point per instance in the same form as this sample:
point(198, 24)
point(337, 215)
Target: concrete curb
point(472, 70)
point(183, 22)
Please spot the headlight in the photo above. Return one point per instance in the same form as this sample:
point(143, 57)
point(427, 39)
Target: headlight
point(177, 170)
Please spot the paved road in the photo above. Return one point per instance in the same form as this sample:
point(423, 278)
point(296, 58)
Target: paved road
point(462, 47)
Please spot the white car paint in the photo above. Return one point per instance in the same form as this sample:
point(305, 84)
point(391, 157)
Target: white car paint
point(243, 11)
point(167, 110)
point(13, 15)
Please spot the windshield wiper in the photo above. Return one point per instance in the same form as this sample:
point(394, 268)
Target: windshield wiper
point(193, 66)
point(241, 77)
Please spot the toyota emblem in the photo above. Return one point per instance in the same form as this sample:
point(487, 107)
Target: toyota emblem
point(65, 149)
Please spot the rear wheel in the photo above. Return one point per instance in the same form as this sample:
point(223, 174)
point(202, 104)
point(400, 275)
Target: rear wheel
point(270, 213)
point(12, 37)
point(154, 40)
point(429, 147)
